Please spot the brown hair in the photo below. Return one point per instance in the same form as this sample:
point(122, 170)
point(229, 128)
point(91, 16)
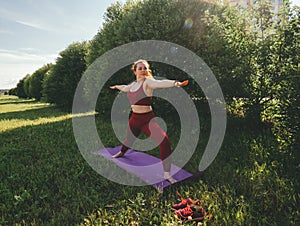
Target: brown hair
point(145, 62)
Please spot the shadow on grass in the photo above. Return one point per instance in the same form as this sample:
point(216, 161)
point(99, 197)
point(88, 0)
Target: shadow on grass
point(17, 101)
point(34, 113)
point(45, 179)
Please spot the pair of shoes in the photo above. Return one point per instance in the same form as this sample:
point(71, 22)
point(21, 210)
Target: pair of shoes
point(189, 209)
point(191, 213)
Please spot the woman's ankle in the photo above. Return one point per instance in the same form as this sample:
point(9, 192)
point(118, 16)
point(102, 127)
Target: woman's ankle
point(166, 174)
point(168, 177)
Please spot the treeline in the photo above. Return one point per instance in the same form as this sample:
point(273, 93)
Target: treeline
point(253, 53)
point(56, 83)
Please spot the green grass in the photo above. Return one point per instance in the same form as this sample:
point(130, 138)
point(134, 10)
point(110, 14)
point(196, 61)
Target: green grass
point(46, 181)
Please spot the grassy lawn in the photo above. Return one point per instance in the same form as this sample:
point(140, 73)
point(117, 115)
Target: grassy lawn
point(46, 181)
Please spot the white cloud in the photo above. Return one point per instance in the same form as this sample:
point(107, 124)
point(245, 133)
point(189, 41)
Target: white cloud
point(13, 56)
point(30, 28)
point(33, 19)
point(31, 24)
point(14, 65)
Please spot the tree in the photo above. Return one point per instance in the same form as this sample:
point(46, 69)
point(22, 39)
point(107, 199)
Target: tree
point(36, 81)
point(187, 23)
point(262, 79)
point(19, 91)
point(287, 53)
point(26, 85)
point(61, 81)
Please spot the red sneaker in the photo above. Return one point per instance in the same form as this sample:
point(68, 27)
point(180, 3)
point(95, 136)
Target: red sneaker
point(185, 213)
point(198, 212)
point(184, 203)
point(193, 212)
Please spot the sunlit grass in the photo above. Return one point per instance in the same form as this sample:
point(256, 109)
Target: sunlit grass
point(6, 125)
point(16, 113)
point(44, 180)
point(13, 104)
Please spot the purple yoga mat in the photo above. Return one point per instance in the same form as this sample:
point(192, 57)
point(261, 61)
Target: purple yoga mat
point(146, 167)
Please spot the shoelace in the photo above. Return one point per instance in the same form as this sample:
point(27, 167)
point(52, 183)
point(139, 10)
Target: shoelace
point(182, 204)
point(185, 202)
point(187, 211)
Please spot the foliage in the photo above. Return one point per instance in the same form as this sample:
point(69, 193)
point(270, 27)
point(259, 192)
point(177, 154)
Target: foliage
point(61, 82)
point(230, 51)
point(236, 44)
point(187, 23)
point(242, 47)
point(26, 85)
point(20, 89)
point(36, 82)
point(286, 116)
point(33, 83)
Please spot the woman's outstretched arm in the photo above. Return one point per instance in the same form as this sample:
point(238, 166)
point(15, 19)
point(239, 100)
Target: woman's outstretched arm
point(124, 88)
point(165, 83)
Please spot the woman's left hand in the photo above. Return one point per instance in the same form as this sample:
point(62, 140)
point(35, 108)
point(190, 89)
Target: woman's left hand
point(180, 84)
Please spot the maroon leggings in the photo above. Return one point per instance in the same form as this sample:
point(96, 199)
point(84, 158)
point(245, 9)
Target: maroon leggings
point(142, 122)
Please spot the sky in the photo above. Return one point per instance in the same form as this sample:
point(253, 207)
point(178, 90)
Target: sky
point(34, 32)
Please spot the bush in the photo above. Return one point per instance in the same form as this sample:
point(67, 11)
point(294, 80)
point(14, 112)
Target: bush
point(62, 80)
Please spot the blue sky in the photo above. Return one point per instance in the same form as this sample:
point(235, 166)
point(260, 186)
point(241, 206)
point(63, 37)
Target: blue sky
point(33, 32)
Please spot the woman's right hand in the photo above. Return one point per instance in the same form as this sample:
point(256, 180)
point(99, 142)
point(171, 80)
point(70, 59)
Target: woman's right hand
point(113, 87)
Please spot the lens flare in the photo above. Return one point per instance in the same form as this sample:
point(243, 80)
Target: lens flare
point(173, 50)
point(188, 23)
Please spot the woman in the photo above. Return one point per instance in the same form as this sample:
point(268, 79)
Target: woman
point(139, 94)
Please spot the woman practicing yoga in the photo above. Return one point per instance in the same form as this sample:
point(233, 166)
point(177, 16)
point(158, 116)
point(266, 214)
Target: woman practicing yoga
point(139, 94)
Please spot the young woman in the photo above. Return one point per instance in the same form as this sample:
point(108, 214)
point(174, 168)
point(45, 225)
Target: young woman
point(139, 94)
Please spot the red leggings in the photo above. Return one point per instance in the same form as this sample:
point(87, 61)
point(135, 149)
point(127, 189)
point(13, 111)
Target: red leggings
point(142, 122)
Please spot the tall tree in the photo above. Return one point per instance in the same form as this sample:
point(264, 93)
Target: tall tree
point(61, 82)
point(187, 23)
point(20, 91)
point(36, 81)
point(286, 54)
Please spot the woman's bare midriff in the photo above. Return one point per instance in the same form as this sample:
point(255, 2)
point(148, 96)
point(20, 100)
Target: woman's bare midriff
point(141, 108)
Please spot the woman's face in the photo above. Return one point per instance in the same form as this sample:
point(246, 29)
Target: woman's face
point(141, 70)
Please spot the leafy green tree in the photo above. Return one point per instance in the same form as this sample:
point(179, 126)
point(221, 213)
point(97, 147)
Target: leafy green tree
point(13, 91)
point(132, 22)
point(20, 91)
point(26, 85)
point(286, 50)
point(36, 81)
point(62, 80)
point(262, 79)
point(187, 23)
point(229, 50)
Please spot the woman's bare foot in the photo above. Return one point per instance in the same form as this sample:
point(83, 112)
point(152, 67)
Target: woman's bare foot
point(168, 177)
point(119, 154)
